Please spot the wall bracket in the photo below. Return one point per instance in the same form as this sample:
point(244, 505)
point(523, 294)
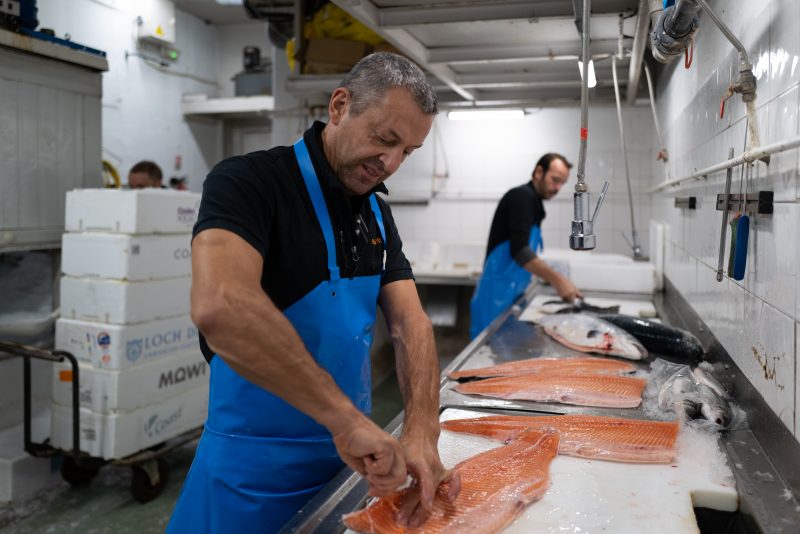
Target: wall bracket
point(760, 203)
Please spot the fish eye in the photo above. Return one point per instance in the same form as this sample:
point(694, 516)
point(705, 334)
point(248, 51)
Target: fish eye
point(592, 333)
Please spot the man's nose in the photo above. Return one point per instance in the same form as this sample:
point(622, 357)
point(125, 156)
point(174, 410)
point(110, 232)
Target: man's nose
point(392, 159)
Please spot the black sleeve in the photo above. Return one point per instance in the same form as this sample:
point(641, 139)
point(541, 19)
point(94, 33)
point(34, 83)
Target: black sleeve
point(520, 218)
point(397, 266)
point(236, 198)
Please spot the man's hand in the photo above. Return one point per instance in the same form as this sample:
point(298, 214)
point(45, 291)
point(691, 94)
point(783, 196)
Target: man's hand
point(371, 452)
point(424, 465)
point(566, 289)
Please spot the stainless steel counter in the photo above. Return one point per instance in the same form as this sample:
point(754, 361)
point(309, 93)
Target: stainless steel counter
point(768, 503)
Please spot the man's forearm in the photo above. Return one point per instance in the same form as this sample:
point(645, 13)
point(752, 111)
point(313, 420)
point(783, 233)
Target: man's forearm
point(540, 268)
point(260, 344)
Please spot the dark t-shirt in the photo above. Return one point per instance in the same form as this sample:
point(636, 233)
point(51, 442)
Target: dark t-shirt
point(262, 198)
point(519, 210)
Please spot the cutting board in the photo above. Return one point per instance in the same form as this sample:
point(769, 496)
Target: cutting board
point(596, 496)
point(636, 308)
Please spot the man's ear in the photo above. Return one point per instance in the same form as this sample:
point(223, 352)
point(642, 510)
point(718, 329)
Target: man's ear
point(538, 173)
point(338, 105)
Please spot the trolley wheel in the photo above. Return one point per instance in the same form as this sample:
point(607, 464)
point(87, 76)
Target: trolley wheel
point(78, 474)
point(149, 479)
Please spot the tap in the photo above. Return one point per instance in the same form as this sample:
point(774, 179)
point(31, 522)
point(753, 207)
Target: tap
point(582, 236)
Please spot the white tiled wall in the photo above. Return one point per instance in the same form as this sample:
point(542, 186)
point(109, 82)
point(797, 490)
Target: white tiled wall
point(483, 159)
point(755, 319)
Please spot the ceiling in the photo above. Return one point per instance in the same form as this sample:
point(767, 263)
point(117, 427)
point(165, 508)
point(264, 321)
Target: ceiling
point(214, 13)
point(501, 52)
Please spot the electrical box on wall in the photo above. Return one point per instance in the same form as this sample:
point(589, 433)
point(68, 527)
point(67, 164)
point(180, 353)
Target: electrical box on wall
point(157, 21)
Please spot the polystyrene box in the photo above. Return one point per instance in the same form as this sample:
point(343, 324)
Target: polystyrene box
point(108, 346)
point(106, 391)
point(133, 211)
point(121, 302)
point(635, 277)
point(126, 257)
point(121, 434)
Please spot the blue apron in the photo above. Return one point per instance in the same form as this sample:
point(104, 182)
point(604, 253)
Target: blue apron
point(259, 459)
point(502, 281)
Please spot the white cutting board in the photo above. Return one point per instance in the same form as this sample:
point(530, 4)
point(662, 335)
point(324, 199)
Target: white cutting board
point(596, 496)
point(636, 308)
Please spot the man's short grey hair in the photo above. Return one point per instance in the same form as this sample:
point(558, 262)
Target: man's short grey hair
point(376, 73)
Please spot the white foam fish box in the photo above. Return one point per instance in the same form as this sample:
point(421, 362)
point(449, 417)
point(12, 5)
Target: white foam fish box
point(142, 211)
point(105, 391)
point(600, 496)
point(117, 435)
point(126, 257)
point(121, 302)
point(120, 347)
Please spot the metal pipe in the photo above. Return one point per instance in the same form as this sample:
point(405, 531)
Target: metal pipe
point(748, 156)
point(724, 29)
point(637, 50)
point(728, 176)
point(637, 249)
point(580, 187)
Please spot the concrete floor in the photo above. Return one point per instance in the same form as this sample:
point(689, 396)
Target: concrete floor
point(106, 505)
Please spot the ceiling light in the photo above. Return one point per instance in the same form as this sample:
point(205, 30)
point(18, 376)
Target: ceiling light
point(592, 77)
point(485, 114)
point(229, 2)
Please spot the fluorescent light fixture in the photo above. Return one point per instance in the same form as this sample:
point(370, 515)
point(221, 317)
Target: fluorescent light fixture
point(592, 77)
point(229, 2)
point(485, 114)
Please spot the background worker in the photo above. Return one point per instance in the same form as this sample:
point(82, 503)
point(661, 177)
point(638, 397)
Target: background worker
point(514, 240)
point(145, 174)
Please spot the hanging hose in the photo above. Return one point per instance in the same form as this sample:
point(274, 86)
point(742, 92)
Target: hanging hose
point(663, 155)
point(581, 187)
point(637, 249)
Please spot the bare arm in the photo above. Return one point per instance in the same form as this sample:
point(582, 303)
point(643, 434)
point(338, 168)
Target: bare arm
point(419, 378)
point(563, 285)
point(243, 326)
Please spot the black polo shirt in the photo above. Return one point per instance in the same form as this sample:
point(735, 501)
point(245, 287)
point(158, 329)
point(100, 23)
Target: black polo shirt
point(262, 198)
point(519, 210)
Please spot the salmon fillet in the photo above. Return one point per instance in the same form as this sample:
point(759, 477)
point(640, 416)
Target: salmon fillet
point(496, 486)
point(606, 391)
point(587, 436)
point(548, 365)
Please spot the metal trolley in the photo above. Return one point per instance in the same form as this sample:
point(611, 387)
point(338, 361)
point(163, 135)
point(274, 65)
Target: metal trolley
point(150, 471)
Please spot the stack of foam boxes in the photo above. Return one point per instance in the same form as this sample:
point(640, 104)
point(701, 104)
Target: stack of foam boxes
point(126, 263)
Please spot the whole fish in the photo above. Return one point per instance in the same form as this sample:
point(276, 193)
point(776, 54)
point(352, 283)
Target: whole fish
point(658, 337)
point(578, 306)
point(714, 407)
point(704, 374)
point(587, 333)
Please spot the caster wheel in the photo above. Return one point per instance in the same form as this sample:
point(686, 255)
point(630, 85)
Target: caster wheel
point(149, 479)
point(78, 475)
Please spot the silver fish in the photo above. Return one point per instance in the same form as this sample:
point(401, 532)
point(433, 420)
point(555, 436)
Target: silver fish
point(586, 333)
point(703, 374)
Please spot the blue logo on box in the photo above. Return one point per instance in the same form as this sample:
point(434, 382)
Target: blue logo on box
point(134, 350)
point(104, 340)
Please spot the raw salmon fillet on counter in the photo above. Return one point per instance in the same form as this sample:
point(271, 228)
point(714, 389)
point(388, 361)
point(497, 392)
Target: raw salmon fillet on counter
point(496, 486)
point(606, 391)
point(548, 365)
point(587, 436)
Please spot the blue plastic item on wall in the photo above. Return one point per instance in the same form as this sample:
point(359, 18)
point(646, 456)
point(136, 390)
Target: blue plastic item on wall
point(740, 252)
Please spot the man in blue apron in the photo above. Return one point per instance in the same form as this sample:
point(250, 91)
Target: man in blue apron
point(292, 253)
point(514, 240)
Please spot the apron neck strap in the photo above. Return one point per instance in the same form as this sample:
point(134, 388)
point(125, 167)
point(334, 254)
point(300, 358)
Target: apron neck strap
point(321, 209)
